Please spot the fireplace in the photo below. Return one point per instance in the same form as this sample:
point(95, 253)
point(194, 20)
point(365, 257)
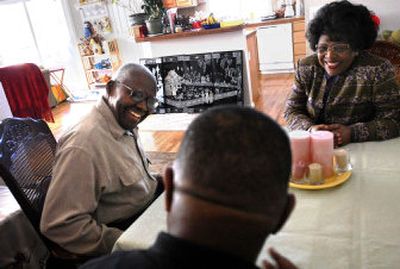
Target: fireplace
point(193, 83)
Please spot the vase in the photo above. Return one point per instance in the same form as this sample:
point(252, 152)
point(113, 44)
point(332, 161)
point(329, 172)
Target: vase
point(154, 26)
point(137, 19)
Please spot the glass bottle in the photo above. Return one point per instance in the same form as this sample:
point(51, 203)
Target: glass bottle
point(289, 12)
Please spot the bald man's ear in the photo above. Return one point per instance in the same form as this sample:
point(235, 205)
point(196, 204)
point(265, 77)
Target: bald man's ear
point(168, 180)
point(110, 86)
point(290, 203)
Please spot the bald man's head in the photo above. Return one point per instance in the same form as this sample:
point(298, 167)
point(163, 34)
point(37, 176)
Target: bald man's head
point(237, 157)
point(131, 94)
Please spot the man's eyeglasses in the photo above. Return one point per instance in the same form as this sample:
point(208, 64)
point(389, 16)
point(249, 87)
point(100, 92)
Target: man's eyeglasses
point(335, 48)
point(139, 96)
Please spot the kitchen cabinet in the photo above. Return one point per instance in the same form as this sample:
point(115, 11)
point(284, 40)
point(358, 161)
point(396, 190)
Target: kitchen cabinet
point(252, 53)
point(182, 3)
point(186, 3)
point(275, 48)
point(169, 3)
point(253, 57)
point(299, 40)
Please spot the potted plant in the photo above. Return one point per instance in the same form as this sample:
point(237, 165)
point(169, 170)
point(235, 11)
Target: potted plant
point(154, 10)
point(134, 7)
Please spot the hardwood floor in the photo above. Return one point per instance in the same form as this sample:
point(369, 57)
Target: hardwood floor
point(274, 92)
point(66, 114)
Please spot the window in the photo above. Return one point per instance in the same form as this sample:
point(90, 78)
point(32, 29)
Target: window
point(36, 31)
point(17, 44)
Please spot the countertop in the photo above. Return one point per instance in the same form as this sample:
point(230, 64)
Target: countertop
point(248, 26)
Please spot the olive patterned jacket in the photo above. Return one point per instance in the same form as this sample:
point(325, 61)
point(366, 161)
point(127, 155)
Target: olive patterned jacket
point(366, 97)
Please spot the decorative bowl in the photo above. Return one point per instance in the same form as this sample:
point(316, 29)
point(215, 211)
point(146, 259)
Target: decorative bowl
point(211, 26)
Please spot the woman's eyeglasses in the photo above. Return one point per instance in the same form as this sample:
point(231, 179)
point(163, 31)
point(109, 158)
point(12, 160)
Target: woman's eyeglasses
point(335, 48)
point(139, 96)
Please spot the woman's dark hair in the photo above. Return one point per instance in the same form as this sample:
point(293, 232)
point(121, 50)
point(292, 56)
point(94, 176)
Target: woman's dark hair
point(345, 22)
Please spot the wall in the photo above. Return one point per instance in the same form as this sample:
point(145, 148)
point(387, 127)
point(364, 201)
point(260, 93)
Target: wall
point(387, 10)
point(130, 51)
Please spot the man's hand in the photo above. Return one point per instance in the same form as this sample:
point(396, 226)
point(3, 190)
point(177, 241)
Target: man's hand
point(281, 261)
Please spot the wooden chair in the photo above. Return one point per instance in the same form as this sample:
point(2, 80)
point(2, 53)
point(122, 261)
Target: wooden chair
point(390, 51)
point(27, 152)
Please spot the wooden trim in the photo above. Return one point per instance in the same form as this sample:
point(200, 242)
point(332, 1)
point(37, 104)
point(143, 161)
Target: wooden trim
point(189, 34)
point(247, 26)
point(186, 3)
point(169, 3)
point(274, 22)
point(299, 37)
point(299, 48)
point(299, 26)
point(253, 64)
point(298, 57)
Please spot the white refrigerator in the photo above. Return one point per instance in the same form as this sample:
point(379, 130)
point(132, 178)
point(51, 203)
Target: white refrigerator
point(275, 48)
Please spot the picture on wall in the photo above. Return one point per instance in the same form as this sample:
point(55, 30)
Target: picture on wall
point(193, 83)
point(154, 65)
point(228, 77)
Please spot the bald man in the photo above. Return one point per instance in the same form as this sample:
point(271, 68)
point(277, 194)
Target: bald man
point(100, 177)
point(225, 194)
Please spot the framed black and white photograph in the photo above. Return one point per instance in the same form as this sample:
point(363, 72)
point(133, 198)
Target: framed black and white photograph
point(155, 67)
point(228, 76)
point(193, 83)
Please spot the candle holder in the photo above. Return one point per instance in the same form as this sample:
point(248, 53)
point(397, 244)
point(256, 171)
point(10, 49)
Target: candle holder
point(342, 161)
point(314, 175)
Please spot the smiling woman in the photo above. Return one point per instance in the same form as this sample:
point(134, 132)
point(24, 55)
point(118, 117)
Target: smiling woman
point(343, 88)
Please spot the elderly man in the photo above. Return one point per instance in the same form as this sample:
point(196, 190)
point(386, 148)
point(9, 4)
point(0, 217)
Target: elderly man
point(100, 177)
point(225, 194)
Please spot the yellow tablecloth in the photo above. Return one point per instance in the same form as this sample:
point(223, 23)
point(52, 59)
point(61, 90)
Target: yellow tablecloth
point(354, 225)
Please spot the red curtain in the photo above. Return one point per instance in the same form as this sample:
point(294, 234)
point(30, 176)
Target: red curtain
point(26, 91)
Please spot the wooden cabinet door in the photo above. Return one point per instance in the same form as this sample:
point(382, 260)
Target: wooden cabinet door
point(252, 50)
point(299, 40)
point(169, 3)
point(186, 3)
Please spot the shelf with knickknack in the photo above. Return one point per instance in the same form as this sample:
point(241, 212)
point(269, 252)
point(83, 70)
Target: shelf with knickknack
point(99, 52)
point(99, 67)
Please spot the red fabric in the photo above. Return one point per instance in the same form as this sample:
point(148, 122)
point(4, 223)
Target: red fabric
point(26, 91)
point(376, 20)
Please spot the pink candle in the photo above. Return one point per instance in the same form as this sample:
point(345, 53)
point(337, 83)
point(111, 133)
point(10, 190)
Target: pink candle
point(300, 145)
point(322, 151)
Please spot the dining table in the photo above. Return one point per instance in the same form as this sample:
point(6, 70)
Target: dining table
point(355, 224)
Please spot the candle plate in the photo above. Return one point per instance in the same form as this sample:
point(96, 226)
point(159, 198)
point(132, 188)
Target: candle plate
point(329, 182)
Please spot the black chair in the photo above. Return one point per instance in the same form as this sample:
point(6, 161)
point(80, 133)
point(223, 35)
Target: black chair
point(27, 151)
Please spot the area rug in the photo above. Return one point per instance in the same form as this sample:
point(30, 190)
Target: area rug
point(160, 160)
point(167, 122)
